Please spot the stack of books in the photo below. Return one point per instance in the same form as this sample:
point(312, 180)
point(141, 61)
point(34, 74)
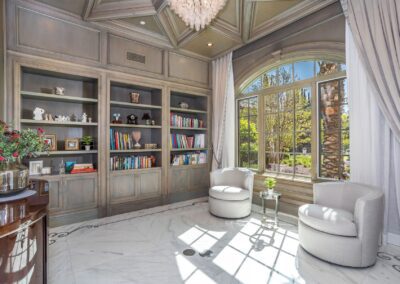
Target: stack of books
point(120, 141)
point(189, 159)
point(180, 121)
point(131, 162)
point(83, 168)
point(181, 141)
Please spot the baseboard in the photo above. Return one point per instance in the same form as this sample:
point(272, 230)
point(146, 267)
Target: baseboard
point(393, 239)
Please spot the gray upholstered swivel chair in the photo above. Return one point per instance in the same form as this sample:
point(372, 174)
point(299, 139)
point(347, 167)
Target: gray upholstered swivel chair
point(344, 224)
point(231, 192)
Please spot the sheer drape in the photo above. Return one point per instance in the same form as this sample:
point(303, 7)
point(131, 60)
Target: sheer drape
point(223, 115)
point(374, 150)
point(375, 25)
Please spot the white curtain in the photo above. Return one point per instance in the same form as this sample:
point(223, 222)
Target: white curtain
point(375, 25)
point(223, 115)
point(374, 150)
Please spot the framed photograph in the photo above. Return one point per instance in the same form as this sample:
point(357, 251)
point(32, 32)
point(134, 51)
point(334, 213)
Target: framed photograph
point(35, 168)
point(51, 140)
point(71, 144)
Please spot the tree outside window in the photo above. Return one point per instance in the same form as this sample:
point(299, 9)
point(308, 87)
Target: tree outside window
point(248, 134)
point(287, 92)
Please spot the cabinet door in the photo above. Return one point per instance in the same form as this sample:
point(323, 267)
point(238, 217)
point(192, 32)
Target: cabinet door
point(80, 192)
point(199, 179)
point(149, 184)
point(55, 196)
point(178, 180)
point(122, 187)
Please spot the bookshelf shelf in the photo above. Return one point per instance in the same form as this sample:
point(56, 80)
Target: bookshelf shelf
point(188, 149)
point(189, 166)
point(62, 153)
point(124, 125)
point(136, 151)
point(134, 171)
point(133, 106)
point(182, 110)
point(188, 128)
point(61, 123)
point(53, 97)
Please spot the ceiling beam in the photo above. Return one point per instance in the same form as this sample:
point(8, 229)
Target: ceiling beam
point(120, 10)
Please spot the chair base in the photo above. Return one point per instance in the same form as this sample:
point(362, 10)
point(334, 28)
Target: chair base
point(345, 251)
point(232, 209)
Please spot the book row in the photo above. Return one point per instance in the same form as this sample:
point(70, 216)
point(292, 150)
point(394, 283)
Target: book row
point(132, 162)
point(189, 159)
point(180, 121)
point(181, 141)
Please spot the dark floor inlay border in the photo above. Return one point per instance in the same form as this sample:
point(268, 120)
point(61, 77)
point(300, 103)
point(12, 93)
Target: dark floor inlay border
point(189, 252)
point(57, 235)
point(207, 253)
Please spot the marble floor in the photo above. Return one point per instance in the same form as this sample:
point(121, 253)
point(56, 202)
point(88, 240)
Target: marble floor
point(147, 247)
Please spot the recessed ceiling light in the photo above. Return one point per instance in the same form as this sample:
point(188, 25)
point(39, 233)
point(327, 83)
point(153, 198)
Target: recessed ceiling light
point(142, 23)
point(210, 44)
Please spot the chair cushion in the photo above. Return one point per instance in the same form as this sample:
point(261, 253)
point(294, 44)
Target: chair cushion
point(329, 220)
point(226, 192)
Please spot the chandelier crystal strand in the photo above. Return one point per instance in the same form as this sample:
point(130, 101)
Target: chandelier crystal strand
point(197, 14)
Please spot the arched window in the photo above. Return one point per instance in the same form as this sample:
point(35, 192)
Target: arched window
point(298, 109)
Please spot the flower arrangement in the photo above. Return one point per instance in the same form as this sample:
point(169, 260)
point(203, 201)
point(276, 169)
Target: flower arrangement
point(16, 145)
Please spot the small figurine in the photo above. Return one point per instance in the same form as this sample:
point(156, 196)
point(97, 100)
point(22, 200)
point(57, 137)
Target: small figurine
point(183, 105)
point(147, 118)
point(84, 117)
point(38, 113)
point(137, 135)
point(46, 116)
point(132, 119)
point(116, 118)
point(59, 91)
point(135, 97)
point(61, 118)
point(153, 122)
point(89, 119)
point(51, 117)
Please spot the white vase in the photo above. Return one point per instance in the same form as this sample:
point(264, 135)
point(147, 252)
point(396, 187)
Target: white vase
point(87, 147)
point(270, 191)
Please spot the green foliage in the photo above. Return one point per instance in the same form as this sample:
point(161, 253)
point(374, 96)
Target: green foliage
point(248, 134)
point(16, 145)
point(270, 182)
point(87, 140)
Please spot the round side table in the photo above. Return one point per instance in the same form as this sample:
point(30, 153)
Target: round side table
point(265, 195)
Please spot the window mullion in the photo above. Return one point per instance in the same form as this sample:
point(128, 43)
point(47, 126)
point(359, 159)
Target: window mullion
point(261, 133)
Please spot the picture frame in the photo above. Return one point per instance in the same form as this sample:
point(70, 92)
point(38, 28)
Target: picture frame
point(35, 168)
point(51, 140)
point(72, 144)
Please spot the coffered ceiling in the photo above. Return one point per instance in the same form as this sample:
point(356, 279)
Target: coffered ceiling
point(152, 21)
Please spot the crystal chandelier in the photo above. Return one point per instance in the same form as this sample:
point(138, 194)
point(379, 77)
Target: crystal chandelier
point(197, 13)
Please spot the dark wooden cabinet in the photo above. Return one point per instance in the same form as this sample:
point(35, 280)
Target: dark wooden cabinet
point(23, 240)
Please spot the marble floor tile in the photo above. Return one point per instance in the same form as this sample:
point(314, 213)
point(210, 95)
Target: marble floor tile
point(148, 246)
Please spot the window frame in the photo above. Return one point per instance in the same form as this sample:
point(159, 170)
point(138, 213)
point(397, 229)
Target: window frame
point(237, 134)
point(261, 94)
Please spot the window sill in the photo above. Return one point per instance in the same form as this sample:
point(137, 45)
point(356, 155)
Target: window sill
point(287, 178)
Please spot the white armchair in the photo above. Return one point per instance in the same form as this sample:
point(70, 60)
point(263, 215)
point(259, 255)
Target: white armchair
point(231, 192)
point(343, 225)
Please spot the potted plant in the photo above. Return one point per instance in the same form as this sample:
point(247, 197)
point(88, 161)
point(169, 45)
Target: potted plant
point(14, 146)
point(87, 141)
point(270, 184)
